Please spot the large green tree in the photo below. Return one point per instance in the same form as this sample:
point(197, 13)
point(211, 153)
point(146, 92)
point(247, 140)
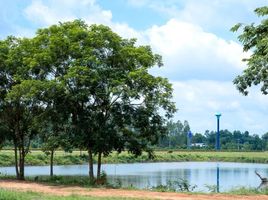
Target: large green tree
point(17, 114)
point(254, 38)
point(112, 100)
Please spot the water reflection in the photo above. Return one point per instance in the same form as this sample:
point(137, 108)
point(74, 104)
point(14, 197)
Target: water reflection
point(225, 176)
point(218, 178)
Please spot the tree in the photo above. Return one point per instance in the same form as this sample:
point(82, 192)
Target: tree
point(125, 98)
point(16, 113)
point(54, 133)
point(177, 135)
point(198, 138)
point(255, 39)
point(54, 122)
point(4, 133)
point(112, 101)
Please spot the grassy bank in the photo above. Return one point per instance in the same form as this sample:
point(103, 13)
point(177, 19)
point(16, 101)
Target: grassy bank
point(62, 158)
point(15, 195)
point(247, 191)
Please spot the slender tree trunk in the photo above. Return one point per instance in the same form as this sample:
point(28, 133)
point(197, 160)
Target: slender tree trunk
point(99, 166)
point(90, 162)
point(22, 166)
point(21, 163)
point(16, 159)
point(51, 162)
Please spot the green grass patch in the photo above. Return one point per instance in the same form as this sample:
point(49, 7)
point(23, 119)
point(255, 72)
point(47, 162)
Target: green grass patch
point(77, 157)
point(15, 195)
point(248, 191)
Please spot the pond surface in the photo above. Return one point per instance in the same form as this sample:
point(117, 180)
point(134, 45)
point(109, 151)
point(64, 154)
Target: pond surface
point(146, 175)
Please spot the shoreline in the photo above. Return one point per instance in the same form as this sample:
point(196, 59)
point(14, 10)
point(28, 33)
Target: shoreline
point(38, 158)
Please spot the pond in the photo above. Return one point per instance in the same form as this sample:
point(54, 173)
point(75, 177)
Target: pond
point(146, 175)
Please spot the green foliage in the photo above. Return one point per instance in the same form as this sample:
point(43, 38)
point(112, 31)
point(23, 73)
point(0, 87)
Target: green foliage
point(211, 188)
point(177, 135)
point(254, 38)
point(248, 191)
point(63, 180)
point(180, 185)
point(17, 114)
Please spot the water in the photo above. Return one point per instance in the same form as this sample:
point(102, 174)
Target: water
point(145, 175)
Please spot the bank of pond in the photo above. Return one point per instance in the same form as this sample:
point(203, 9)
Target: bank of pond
point(39, 158)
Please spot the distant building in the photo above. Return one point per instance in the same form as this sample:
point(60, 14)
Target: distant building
point(198, 145)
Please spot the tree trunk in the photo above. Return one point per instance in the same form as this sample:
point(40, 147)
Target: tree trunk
point(21, 163)
point(90, 162)
point(22, 167)
point(51, 162)
point(16, 160)
point(99, 166)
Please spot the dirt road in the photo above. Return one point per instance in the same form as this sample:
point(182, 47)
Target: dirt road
point(66, 190)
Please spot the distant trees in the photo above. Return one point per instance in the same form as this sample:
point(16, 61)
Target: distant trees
point(83, 87)
point(254, 38)
point(198, 138)
point(177, 135)
point(236, 140)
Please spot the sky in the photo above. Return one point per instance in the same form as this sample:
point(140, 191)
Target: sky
point(201, 55)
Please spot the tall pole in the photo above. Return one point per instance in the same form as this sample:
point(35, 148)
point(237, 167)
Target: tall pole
point(218, 115)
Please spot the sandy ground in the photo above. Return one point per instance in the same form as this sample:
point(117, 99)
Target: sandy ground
point(66, 190)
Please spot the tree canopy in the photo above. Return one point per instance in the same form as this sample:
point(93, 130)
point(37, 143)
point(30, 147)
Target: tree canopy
point(254, 38)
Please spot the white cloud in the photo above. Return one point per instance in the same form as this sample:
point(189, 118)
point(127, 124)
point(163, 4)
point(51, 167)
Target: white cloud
point(45, 13)
point(127, 32)
point(51, 12)
point(215, 14)
point(191, 53)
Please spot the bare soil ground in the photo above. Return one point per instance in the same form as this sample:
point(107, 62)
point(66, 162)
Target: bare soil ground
point(98, 192)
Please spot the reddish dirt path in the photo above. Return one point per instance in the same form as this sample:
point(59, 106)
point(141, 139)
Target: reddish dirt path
point(65, 191)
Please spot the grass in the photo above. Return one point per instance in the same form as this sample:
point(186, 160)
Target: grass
point(248, 191)
point(62, 158)
point(15, 195)
point(62, 180)
point(75, 180)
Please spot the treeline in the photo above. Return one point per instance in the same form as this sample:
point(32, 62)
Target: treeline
point(177, 137)
point(74, 86)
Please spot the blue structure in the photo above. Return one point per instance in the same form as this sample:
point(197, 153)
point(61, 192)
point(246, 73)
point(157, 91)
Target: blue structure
point(189, 141)
point(218, 115)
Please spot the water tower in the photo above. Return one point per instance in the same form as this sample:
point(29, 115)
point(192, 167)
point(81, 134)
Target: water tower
point(218, 115)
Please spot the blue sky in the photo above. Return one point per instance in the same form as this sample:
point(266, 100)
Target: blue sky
point(200, 54)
